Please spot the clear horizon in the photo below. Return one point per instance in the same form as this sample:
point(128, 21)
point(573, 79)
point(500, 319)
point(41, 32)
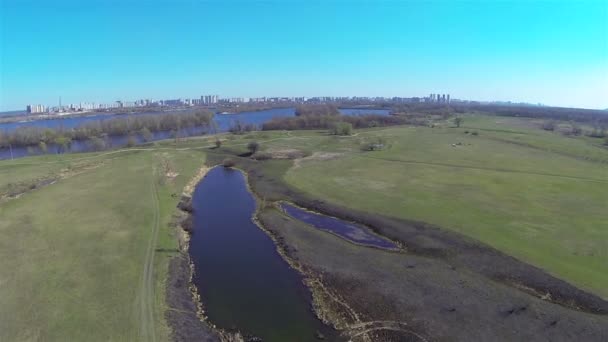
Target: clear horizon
point(554, 53)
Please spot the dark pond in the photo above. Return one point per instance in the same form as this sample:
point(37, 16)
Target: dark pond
point(244, 283)
point(347, 230)
point(223, 121)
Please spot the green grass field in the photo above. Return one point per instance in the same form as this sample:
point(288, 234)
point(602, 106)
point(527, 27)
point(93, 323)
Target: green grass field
point(86, 258)
point(544, 207)
point(539, 196)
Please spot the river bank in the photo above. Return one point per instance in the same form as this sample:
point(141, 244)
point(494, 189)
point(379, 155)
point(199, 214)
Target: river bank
point(456, 287)
point(283, 311)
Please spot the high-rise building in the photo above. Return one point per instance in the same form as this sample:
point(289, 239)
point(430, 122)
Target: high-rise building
point(209, 99)
point(35, 109)
point(448, 98)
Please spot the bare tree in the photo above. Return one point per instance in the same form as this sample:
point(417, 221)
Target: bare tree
point(458, 120)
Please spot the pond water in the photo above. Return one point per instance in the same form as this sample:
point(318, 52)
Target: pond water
point(223, 121)
point(347, 230)
point(244, 283)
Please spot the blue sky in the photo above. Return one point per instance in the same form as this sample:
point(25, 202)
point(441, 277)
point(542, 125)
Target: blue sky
point(101, 51)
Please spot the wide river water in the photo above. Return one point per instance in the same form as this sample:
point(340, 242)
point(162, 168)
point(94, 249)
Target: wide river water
point(245, 285)
point(223, 121)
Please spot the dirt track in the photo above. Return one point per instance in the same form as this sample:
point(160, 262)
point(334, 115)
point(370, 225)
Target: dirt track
point(147, 329)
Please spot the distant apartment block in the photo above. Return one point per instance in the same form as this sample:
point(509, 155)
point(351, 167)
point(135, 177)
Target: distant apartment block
point(34, 109)
point(209, 99)
point(438, 98)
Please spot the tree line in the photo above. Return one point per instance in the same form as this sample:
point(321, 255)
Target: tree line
point(332, 121)
point(143, 125)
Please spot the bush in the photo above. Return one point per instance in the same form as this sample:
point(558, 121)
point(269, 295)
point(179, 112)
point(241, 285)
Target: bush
point(238, 127)
point(218, 143)
point(597, 133)
point(374, 145)
point(42, 147)
point(131, 141)
point(228, 162)
point(475, 133)
point(97, 144)
point(458, 121)
point(146, 135)
point(549, 126)
point(575, 129)
point(342, 128)
point(253, 147)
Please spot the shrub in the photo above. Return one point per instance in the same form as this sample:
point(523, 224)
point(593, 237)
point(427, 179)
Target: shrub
point(475, 133)
point(42, 147)
point(576, 129)
point(458, 121)
point(253, 147)
point(342, 128)
point(228, 162)
point(597, 133)
point(376, 144)
point(218, 143)
point(98, 144)
point(131, 141)
point(146, 135)
point(549, 125)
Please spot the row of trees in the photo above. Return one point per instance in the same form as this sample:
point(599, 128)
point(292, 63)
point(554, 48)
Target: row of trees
point(143, 126)
point(598, 117)
point(317, 110)
point(330, 121)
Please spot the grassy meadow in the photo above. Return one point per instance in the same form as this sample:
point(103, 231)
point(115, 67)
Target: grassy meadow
point(539, 196)
point(547, 208)
point(77, 254)
point(74, 252)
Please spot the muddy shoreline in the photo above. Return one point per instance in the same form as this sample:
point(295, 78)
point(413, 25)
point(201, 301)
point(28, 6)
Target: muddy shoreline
point(423, 239)
point(517, 288)
point(351, 305)
point(185, 315)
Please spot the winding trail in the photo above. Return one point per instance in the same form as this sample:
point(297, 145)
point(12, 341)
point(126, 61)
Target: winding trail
point(147, 328)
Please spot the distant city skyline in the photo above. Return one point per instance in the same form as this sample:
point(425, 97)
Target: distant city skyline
point(549, 52)
point(216, 100)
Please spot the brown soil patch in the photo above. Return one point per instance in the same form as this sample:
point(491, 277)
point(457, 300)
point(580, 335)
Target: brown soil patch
point(316, 156)
point(287, 153)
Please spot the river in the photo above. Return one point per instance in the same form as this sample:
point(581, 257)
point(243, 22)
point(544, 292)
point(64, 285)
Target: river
point(245, 285)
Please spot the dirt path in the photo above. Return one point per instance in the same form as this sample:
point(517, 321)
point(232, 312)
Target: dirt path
point(147, 329)
point(362, 329)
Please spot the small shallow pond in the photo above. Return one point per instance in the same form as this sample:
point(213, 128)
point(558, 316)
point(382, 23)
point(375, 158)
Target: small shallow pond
point(347, 230)
point(244, 283)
